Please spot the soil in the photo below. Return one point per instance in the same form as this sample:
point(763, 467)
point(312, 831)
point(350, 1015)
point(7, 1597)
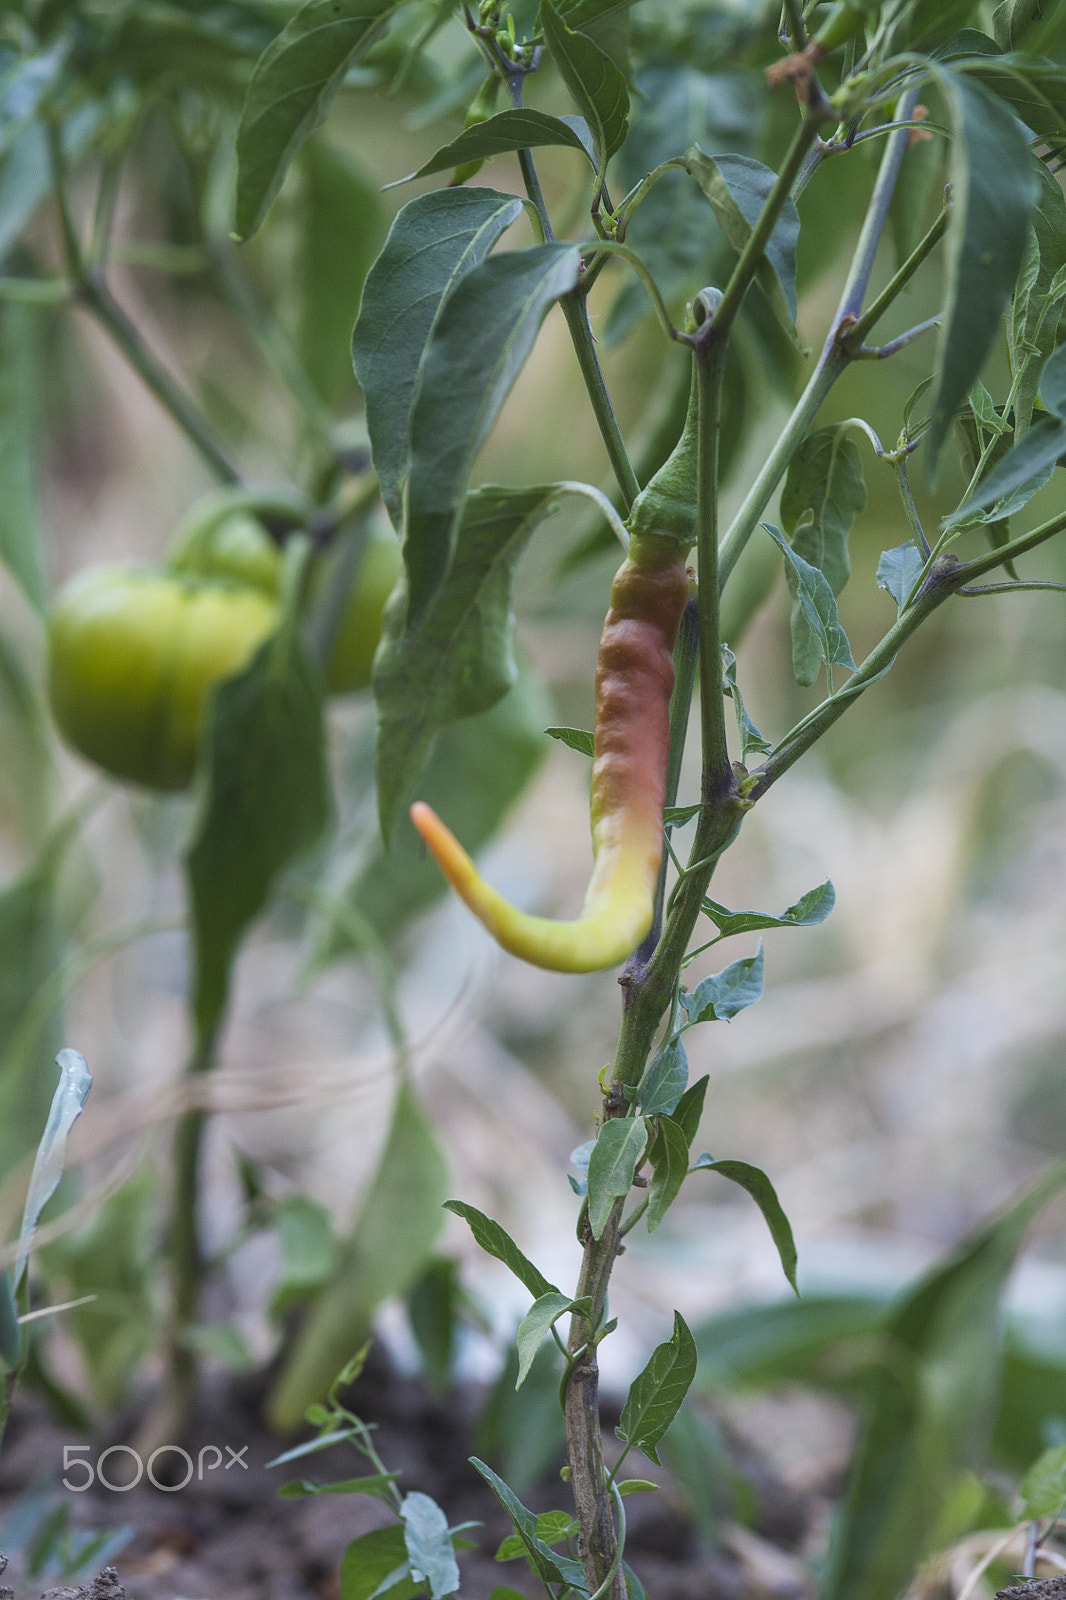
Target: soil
point(227, 1536)
point(1035, 1589)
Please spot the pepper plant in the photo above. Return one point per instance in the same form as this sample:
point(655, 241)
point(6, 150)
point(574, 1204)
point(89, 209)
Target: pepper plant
point(957, 112)
point(444, 328)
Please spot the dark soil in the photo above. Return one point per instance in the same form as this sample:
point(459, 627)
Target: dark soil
point(1035, 1589)
point(226, 1536)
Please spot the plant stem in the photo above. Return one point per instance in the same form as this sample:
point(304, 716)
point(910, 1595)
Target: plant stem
point(710, 363)
point(834, 358)
point(97, 298)
point(597, 1540)
point(91, 292)
point(942, 579)
point(575, 310)
point(897, 282)
point(187, 1264)
point(752, 253)
point(650, 984)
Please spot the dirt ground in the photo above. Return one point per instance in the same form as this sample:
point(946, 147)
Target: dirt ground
point(228, 1536)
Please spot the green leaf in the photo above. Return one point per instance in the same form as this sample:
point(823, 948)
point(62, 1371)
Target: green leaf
point(25, 176)
point(291, 90)
point(1027, 466)
point(29, 1032)
point(342, 231)
point(751, 740)
point(507, 1594)
point(1012, 18)
point(545, 1563)
point(524, 1429)
point(115, 1257)
point(478, 346)
point(925, 24)
point(677, 816)
point(395, 1230)
point(764, 1194)
point(21, 363)
point(220, 1343)
point(599, 90)
point(26, 774)
point(310, 1447)
point(265, 799)
point(552, 1526)
point(736, 188)
point(630, 1486)
point(817, 604)
point(497, 1242)
point(930, 1409)
point(1043, 1489)
point(583, 13)
point(477, 770)
point(535, 1327)
point(575, 739)
point(673, 229)
point(1032, 330)
point(375, 1567)
point(522, 129)
point(616, 1155)
point(433, 1308)
point(824, 492)
point(722, 996)
point(655, 1396)
point(689, 1109)
point(994, 190)
point(809, 910)
point(433, 241)
point(375, 1484)
point(899, 570)
point(68, 1102)
point(308, 1250)
point(819, 1341)
point(666, 1081)
point(429, 1545)
point(10, 1332)
point(457, 658)
point(669, 1159)
point(24, 86)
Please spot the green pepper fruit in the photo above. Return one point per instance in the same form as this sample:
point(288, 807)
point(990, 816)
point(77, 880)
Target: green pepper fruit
point(842, 23)
point(480, 110)
point(133, 654)
point(350, 660)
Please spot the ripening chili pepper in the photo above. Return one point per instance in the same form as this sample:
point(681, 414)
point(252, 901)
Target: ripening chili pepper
point(634, 680)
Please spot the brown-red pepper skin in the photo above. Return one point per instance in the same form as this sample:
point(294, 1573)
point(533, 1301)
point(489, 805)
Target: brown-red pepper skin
point(634, 681)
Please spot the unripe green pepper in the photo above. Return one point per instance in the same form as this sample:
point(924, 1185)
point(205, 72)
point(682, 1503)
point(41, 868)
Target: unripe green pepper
point(133, 654)
point(842, 23)
point(480, 110)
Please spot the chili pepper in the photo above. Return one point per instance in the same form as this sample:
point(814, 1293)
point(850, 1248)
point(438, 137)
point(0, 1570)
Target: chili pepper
point(634, 680)
point(480, 110)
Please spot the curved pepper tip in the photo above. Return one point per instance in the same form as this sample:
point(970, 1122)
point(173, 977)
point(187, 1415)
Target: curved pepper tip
point(602, 936)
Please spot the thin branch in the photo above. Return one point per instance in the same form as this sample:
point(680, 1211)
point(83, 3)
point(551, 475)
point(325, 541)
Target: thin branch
point(92, 292)
point(881, 352)
point(1027, 584)
point(832, 362)
point(856, 333)
point(608, 247)
point(600, 500)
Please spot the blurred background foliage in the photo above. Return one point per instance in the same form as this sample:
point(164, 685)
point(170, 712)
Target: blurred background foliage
point(904, 1073)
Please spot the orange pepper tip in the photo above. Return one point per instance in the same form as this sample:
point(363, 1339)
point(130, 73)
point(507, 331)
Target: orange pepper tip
point(441, 842)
